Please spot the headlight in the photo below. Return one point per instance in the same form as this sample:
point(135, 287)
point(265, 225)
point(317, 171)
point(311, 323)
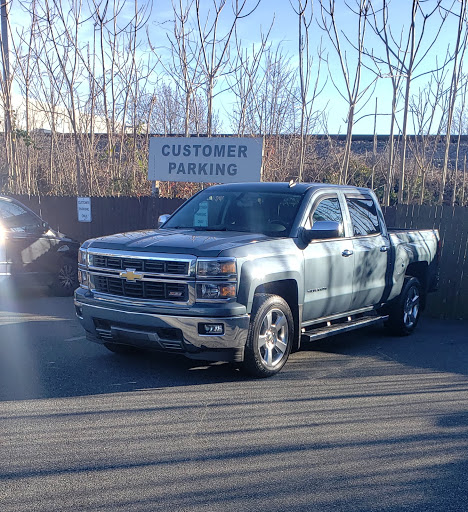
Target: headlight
point(223, 267)
point(83, 257)
point(217, 279)
point(83, 277)
point(216, 291)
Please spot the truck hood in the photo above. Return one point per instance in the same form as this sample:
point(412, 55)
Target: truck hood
point(176, 241)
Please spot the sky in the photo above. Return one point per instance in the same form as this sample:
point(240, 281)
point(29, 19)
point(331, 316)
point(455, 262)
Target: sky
point(285, 32)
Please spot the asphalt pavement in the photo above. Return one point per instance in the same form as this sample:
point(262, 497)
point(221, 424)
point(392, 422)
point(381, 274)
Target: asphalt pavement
point(359, 422)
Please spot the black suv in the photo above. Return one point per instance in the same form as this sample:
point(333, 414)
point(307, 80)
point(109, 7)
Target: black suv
point(32, 254)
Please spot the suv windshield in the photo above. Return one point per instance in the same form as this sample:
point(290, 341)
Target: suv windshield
point(14, 217)
point(269, 213)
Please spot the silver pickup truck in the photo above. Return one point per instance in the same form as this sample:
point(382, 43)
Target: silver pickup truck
point(246, 272)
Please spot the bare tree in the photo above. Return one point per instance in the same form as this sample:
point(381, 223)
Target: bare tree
point(395, 73)
point(87, 72)
point(273, 113)
point(6, 82)
point(459, 129)
point(61, 30)
point(427, 108)
point(459, 53)
point(244, 79)
point(403, 55)
point(215, 48)
point(185, 57)
point(305, 14)
point(353, 93)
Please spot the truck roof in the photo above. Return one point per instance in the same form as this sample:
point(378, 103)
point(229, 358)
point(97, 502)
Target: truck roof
point(267, 186)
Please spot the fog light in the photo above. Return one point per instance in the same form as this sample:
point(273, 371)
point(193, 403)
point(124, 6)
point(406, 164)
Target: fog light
point(215, 329)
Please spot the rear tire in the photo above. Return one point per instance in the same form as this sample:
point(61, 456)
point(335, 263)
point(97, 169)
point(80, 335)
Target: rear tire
point(270, 336)
point(405, 312)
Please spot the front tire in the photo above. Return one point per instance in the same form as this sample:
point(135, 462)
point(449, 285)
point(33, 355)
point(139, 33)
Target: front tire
point(404, 314)
point(65, 279)
point(270, 336)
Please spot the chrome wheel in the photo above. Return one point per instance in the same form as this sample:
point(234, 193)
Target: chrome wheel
point(404, 312)
point(66, 277)
point(411, 307)
point(273, 338)
point(270, 336)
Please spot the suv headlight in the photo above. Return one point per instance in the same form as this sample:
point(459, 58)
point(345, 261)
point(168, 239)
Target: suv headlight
point(216, 279)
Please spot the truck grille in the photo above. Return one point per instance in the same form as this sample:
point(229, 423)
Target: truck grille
point(179, 268)
point(141, 289)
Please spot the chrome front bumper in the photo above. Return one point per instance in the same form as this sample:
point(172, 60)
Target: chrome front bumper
point(111, 323)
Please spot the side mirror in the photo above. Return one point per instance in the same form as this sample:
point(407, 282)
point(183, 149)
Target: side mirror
point(323, 229)
point(163, 218)
point(37, 229)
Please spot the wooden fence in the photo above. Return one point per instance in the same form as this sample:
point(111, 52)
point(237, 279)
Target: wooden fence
point(115, 215)
point(109, 214)
point(451, 301)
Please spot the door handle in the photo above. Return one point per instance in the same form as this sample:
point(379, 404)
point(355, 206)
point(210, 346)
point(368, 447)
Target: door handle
point(384, 248)
point(346, 253)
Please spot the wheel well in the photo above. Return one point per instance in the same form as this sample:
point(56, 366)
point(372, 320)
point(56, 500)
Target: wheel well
point(287, 289)
point(421, 271)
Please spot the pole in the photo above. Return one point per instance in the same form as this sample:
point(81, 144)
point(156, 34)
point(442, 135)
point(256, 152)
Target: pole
point(6, 65)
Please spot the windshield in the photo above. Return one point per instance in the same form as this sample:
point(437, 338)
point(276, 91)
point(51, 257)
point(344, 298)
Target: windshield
point(269, 213)
point(14, 217)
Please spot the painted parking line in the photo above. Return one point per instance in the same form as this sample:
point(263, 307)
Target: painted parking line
point(76, 338)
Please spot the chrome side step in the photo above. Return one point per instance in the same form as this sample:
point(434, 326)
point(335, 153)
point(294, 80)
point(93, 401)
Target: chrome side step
point(338, 328)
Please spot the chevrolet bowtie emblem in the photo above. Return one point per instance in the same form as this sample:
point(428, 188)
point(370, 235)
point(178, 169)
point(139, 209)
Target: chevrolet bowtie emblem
point(131, 275)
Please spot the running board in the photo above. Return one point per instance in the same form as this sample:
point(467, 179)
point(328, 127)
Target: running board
point(338, 328)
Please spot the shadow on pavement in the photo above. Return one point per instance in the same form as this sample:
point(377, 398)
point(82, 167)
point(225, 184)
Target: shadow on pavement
point(436, 345)
point(359, 422)
point(43, 354)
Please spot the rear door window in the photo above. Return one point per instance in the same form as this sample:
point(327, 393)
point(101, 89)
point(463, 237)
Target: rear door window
point(364, 217)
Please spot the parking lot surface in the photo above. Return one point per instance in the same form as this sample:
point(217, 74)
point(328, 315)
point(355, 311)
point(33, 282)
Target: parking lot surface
point(359, 422)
